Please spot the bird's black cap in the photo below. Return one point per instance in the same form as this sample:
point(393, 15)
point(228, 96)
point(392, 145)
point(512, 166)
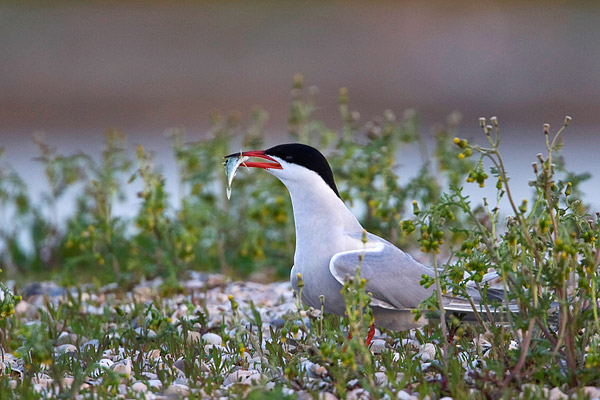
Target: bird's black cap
point(306, 156)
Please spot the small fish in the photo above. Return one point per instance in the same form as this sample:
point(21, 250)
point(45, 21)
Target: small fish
point(231, 166)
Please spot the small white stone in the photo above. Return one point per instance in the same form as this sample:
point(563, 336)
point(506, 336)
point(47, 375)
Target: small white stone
point(105, 362)
point(381, 378)
point(66, 338)
point(43, 382)
point(22, 307)
point(352, 383)
point(358, 394)
point(155, 383)
point(429, 349)
point(307, 366)
point(212, 338)
point(402, 395)
point(123, 368)
point(378, 346)
point(193, 337)
point(556, 394)
point(591, 391)
point(327, 396)
point(177, 389)
point(91, 344)
point(153, 354)
point(245, 377)
point(139, 387)
point(66, 348)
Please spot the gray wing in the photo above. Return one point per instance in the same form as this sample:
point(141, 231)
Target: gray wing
point(392, 276)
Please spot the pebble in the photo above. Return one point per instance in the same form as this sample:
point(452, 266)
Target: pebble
point(381, 378)
point(592, 392)
point(320, 370)
point(193, 337)
point(91, 344)
point(351, 383)
point(402, 395)
point(65, 349)
point(123, 368)
point(244, 377)
point(428, 352)
point(327, 396)
point(179, 364)
point(105, 362)
point(23, 307)
point(556, 394)
point(153, 354)
point(177, 390)
point(139, 387)
point(378, 346)
point(212, 338)
point(358, 394)
point(66, 338)
point(155, 383)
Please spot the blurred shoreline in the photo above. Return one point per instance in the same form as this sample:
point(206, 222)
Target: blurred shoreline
point(145, 68)
point(75, 69)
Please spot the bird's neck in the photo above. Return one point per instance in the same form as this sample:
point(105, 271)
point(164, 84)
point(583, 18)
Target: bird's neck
point(319, 213)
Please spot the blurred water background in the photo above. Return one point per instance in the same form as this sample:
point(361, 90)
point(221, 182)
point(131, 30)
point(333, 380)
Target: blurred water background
point(74, 69)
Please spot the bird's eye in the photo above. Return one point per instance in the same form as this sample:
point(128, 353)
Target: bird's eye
point(289, 158)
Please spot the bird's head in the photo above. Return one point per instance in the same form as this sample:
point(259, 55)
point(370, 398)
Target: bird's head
point(293, 163)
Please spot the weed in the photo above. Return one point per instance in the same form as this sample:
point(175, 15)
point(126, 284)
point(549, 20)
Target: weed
point(546, 252)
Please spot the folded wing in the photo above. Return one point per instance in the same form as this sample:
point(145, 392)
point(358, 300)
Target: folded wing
point(393, 277)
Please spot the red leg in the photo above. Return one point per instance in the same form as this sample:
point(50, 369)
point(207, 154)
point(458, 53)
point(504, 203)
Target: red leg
point(369, 339)
point(370, 334)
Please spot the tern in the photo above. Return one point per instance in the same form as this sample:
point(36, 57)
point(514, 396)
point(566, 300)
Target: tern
point(329, 242)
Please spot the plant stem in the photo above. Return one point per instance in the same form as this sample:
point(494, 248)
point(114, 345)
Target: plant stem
point(442, 309)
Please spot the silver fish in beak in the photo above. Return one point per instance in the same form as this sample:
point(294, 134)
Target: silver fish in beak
point(231, 166)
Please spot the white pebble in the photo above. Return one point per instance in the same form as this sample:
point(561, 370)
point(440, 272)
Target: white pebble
point(429, 349)
point(140, 387)
point(358, 394)
point(381, 378)
point(155, 383)
point(193, 337)
point(177, 389)
point(402, 395)
point(327, 396)
point(105, 362)
point(591, 392)
point(556, 394)
point(212, 338)
point(123, 368)
point(378, 346)
point(66, 348)
point(245, 377)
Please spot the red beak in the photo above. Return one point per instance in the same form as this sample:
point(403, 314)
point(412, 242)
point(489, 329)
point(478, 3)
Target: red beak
point(255, 164)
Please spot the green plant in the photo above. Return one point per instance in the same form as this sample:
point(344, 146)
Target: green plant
point(545, 249)
point(547, 256)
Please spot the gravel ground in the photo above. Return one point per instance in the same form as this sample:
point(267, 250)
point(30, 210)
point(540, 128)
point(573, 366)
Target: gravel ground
point(244, 371)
